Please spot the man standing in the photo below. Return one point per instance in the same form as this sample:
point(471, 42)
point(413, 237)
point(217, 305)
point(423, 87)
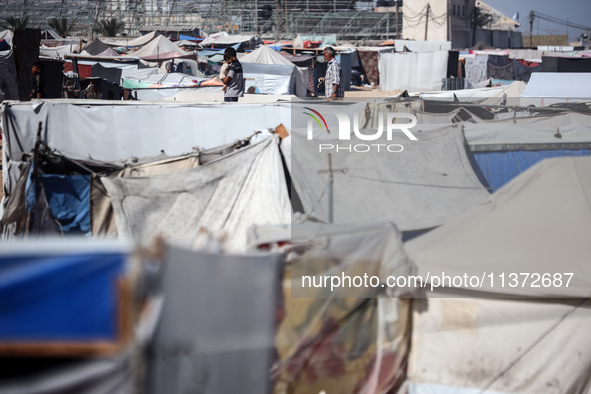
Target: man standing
point(234, 81)
point(333, 80)
point(38, 89)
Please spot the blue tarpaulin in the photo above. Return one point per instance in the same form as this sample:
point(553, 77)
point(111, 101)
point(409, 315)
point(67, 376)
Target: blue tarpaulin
point(59, 296)
point(495, 169)
point(68, 197)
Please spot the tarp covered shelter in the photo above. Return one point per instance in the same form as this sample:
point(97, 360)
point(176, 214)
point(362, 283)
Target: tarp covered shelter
point(231, 194)
point(432, 181)
point(96, 47)
point(158, 45)
point(265, 55)
point(524, 227)
point(538, 224)
point(133, 129)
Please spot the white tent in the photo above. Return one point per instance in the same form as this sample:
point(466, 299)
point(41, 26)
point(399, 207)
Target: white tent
point(265, 55)
point(139, 41)
point(421, 186)
point(538, 223)
point(530, 240)
point(544, 89)
point(230, 194)
point(157, 46)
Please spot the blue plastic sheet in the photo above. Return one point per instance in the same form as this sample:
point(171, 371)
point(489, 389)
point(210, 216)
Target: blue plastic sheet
point(69, 201)
point(497, 168)
point(59, 297)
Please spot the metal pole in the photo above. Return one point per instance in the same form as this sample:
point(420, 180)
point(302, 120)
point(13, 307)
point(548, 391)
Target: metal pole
point(277, 9)
point(531, 28)
point(256, 17)
point(330, 189)
point(427, 21)
point(397, 36)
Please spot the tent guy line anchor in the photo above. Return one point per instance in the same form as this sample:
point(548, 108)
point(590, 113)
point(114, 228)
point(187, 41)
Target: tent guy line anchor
point(330, 173)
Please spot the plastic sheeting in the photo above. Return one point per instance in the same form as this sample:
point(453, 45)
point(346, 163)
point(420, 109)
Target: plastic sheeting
point(498, 168)
point(269, 78)
point(469, 346)
point(265, 55)
point(421, 187)
point(337, 342)
point(69, 201)
point(8, 86)
point(60, 291)
point(158, 45)
point(229, 195)
point(219, 317)
point(412, 71)
point(537, 224)
point(422, 46)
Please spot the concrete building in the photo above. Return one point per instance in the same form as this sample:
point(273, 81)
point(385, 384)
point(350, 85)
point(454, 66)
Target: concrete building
point(438, 20)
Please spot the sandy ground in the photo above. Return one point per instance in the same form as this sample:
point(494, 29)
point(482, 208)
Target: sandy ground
point(371, 93)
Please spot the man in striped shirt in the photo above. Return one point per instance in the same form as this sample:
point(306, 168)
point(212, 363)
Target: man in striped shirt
point(333, 80)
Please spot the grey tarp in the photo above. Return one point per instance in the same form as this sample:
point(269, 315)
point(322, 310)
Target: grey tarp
point(423, 186)
point(230, 194)
point(218, 324)
point(102, 221)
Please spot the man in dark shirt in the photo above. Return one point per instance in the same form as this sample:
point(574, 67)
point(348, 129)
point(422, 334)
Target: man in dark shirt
point(38, 89)
point(234, 81)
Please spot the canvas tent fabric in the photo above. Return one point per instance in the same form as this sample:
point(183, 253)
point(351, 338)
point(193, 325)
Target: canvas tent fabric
point(132, 129)
point(265, 55)
point(546, 88)
point(101, 212)
point(433, 173)
point(139, 41)
point(231, 194)
point(8, 85)
point(158, 45)
point(540, 218)
point(96, 47)
point(412, 71)
point(471, 345)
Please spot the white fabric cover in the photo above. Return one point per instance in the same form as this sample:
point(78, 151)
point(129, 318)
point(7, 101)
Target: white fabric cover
point(231, 194)
point(266, 55)
point(544, 89)
point(483, 96)
point(224, 38)
point(138, 73)
point(463, 346)
point(157, 94)
point(421, 187)
point(201, 96)
point(269, 78)
point(538, 223)
point(412, 71)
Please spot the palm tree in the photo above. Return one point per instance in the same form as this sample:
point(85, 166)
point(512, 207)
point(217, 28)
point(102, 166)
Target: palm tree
point(62, 26)
point(110, 27)
point(15, 23)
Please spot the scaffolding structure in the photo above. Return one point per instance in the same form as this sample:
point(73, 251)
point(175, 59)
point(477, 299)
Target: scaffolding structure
point(275, 19)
